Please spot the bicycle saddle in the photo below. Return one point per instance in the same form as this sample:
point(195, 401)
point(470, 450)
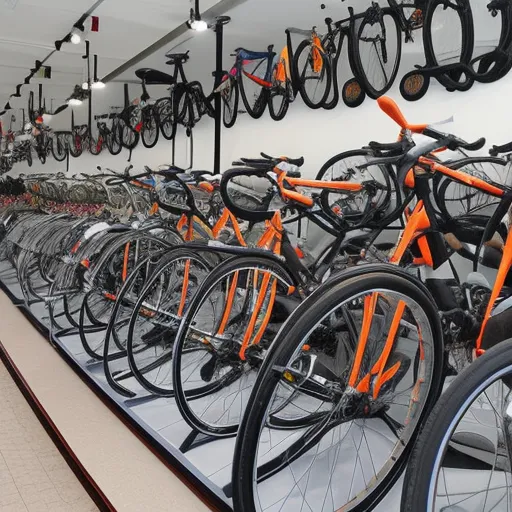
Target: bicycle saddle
point(197, 174)
point(177, 57)
point(154, 77)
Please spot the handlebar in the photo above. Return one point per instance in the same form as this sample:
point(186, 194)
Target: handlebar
point(505, 148)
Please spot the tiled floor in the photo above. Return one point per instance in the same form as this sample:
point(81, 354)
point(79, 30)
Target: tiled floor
point(34, 477)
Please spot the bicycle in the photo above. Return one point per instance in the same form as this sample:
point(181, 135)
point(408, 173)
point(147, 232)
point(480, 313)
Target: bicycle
point(448, 39)
point(230, 322)
point(362, 359)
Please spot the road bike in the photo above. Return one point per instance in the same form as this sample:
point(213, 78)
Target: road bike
point(357, 367)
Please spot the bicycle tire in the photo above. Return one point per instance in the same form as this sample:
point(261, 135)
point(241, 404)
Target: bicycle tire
point(130, 138)
point(339, 158)
point(333, 48)
point(452, 405)
point(361, 66)
point(346, 285)
point(114, 138)
point(139, 369)
point(59, 151)
point(495, 65)
point(257, 108)
point(230, 104)
point(278, 114)
point(450, 81)
point(150, 127)
point(183, 396)
point(305, 45)
point(29, 157)
point(75, 150)
point(95, 145)
point(166, 118)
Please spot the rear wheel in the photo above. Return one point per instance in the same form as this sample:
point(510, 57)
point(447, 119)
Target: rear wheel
point(341, 395)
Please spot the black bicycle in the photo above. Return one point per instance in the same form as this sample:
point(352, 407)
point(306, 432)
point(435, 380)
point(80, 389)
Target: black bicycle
point(448, 39)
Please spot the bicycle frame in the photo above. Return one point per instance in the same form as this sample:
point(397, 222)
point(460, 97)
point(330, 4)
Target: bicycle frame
point(243, 56)
point(421, 222)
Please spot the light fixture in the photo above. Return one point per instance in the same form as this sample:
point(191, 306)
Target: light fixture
point(97, 83)
point(74, 102)
point(76, 36)
point(85, 86)
point(195, 22)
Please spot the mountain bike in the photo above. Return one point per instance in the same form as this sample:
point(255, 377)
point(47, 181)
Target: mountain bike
point(354, 372)
point(448, 38)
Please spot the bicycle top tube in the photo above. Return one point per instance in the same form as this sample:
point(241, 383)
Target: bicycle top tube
point(244, 54)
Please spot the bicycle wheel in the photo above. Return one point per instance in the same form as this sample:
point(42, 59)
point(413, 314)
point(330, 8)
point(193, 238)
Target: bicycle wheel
point(341, 395)
point(448, 38)
point(455, 199)
point(157, 315)
point(114, 138)
point(75, 145)
point(341, 167)
point(222, 340)
point(230, 96)
point(59, 150)
point(166, 118)
point(494, 60)
point(254, 96)
point(95, 144)
point(279, 99)
point(314, 74)
point(377, 49)
point(150, 127)
point(462, 459)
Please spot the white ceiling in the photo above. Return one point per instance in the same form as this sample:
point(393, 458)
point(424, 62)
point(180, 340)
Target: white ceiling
point(29, 29)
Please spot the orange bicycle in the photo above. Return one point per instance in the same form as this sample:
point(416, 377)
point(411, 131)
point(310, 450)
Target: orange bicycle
point(356, 368)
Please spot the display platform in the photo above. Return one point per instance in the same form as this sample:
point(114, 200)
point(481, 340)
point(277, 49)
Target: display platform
point(204, 463)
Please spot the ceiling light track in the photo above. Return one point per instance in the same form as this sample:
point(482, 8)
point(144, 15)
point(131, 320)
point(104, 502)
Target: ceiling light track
point(78, 26)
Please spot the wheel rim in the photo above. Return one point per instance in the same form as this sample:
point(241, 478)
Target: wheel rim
point(216, 373)
point(313, 432)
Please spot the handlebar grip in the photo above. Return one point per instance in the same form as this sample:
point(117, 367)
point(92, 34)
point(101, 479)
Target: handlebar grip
point(505, 148)
point(474, 146)
point(299, 162)
point(293, 174)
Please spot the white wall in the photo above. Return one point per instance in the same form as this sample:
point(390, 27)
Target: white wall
point(316, 135)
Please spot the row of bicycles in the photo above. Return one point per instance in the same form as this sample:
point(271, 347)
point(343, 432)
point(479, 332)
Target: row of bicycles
point(317, 320)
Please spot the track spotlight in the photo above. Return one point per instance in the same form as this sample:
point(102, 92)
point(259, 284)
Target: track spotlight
point(74, 102)
point(76, 36)
point(97, 83)
point(195, 22)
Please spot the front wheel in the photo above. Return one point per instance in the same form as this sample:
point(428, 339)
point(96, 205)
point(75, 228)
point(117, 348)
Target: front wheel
point(341, 395)
point(314, 74)
point(377, 51)
point(462, 459)
point(222, 340)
